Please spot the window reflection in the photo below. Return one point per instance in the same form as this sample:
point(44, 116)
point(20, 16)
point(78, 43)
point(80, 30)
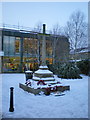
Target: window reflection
point(9, 45)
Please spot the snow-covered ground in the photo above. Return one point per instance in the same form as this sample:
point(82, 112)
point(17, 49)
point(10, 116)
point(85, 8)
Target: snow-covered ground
point(74, 104)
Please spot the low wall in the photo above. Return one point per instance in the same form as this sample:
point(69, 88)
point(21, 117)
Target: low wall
point(31, 90)
point(37, 91)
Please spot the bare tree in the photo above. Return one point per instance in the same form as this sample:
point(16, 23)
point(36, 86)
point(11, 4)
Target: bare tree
point(56, 31)
point(76, 31)
point(38, 29)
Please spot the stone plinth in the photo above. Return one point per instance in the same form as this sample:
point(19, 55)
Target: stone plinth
point(43, 74)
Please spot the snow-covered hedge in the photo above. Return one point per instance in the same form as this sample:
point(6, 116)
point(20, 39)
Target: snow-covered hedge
point(69, 71)
point(84, 66)
point(65, 70)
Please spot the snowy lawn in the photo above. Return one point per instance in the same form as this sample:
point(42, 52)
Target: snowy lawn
point(74, 104)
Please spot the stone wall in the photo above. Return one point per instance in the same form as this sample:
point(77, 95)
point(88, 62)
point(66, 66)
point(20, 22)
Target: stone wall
point(62, 50)
point(37, 91)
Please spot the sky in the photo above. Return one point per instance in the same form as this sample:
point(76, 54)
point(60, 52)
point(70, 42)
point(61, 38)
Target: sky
point(29, 14)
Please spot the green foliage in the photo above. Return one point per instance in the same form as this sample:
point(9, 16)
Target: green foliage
point(84, 66)
point(65, 70)
point(69, 71)
point(54, 67)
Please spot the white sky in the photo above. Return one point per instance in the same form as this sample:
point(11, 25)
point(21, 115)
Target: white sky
point(28, 14)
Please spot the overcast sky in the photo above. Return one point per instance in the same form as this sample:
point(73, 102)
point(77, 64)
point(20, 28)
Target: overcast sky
point(30, 13)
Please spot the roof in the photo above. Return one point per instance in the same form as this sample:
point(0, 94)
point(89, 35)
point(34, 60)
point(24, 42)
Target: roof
point(81, 50)
point(27, 33)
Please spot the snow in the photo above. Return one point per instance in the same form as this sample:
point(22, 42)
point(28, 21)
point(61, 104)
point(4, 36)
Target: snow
point(43, 72)
point(74, 104)
point(43, 67)
point(28, 71)
point(33, 84)
point(48, 78)
point(75, 60)
point(81, 50)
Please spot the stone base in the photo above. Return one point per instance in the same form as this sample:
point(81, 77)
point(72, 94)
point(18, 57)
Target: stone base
point(43, 74)
point(46, 92)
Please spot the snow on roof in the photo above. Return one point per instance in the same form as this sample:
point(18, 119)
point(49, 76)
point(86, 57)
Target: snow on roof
point(80, 50)
point(75, 60)
point(84, 50)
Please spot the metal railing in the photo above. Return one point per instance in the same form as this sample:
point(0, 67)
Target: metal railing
point(22, 28)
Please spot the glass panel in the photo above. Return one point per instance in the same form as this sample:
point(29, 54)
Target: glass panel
point(6, 45)
point(12, 46)
point(11, 64)
point(9, 45)
point(30, 46)
point(25, 45)
point(17, 45)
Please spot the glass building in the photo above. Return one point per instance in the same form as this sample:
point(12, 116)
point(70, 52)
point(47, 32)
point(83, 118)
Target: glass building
point(22, 49)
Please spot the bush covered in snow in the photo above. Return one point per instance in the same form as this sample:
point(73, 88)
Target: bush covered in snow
point(65, 70)
point(69, 71)
point(84, 66)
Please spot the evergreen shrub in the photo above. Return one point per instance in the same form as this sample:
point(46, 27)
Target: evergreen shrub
point(69, 71)
point(84, 66)
point(54, 67)
point(65, 70)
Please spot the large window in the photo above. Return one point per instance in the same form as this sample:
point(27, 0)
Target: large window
point(30, 46)
point(17, 45)
point(9, 45)
point(11, 64)
point(25, 45)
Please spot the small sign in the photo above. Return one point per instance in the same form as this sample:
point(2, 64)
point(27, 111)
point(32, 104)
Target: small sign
point(1, 53)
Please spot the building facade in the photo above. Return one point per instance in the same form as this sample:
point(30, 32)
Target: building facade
point(22, 49)
point(80, 54)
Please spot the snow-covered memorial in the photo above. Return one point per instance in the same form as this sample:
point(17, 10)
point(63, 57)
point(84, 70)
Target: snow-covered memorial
point(42, 80)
